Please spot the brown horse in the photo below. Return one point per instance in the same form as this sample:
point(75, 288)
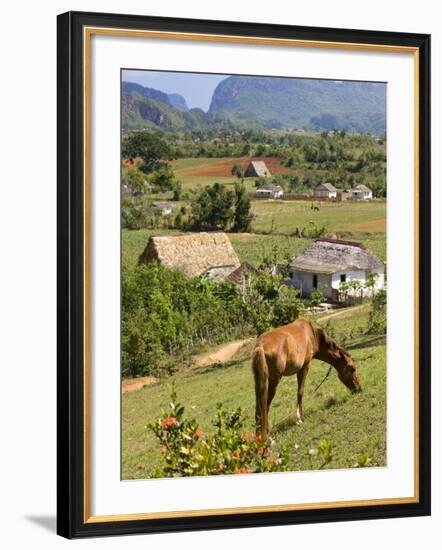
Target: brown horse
point(288, 350)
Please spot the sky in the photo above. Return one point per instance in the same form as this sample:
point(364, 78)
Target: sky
point(197, 89)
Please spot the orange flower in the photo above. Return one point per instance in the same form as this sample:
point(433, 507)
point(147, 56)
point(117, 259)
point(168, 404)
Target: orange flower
point(168, 422)
point(247, 436)
point(243, 471)
point(257, 438)
point(199, 433)
point(164, 449)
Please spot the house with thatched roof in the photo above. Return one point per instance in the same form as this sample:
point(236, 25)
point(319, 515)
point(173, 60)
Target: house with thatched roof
point(327, 263)
point(325, 191)
point(361, 193)
point(193, 253)
point(257, 169)
point(270, 191)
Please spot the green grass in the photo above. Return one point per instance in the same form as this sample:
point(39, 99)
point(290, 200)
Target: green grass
point(356, 424)
point(336, 216)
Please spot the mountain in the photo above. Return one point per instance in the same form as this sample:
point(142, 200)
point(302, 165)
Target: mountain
point(143, 107)
point(174, 100)
point(244, 102)
point(302, 103)
point(178, 102)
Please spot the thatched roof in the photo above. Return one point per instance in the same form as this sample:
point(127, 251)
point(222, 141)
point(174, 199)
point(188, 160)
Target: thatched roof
point(332, 255)
point(270, 187)
point(162, 205)
point(362, 187)
point(326, 187)
point(257, 168)
point(241, 272)
point(192, 253)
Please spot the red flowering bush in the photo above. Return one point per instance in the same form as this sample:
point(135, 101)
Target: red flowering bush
point(187, 451)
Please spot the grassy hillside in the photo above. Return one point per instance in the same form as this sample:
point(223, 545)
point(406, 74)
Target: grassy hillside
point(356, 424)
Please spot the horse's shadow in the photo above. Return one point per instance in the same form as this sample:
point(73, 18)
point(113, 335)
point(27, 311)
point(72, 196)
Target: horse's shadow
point(285, 424)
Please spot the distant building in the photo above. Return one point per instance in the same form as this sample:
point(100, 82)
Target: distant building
point(257, 169)
point(270, 191)
point(164, 207)
point(193, 253)
point(361, 193)
point(327, 263)
point(325, 191)
point(344, 195)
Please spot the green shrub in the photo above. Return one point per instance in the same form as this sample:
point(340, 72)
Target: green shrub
point(187, 451)
point(377, 318)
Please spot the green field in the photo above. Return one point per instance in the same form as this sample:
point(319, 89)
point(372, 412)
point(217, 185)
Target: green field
point(356, 424)
point(363, 222)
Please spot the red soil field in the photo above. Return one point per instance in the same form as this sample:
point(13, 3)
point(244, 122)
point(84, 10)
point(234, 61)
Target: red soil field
point(224, 168)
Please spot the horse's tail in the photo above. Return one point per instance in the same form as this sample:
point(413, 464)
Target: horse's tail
point(261, 374)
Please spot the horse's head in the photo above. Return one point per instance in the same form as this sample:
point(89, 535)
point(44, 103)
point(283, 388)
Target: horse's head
point(332, 353)
point(347, 371)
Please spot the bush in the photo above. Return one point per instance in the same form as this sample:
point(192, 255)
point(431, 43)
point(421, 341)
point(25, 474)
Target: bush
point(377, 318)
point(187, 451)
point(166, 314)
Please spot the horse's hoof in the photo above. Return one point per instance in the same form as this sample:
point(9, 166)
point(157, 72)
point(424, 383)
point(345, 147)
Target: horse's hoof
point(299, 421)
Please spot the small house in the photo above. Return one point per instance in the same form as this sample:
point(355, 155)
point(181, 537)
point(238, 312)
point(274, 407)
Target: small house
point(344, 195)
point(193, 253)
point(163, 207)
point(327, 263)
point(270, 191)
point(361, 193)
point(325, 191)
point(257, 169)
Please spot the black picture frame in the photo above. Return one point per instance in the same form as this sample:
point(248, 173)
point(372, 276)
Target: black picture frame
point(72, 522)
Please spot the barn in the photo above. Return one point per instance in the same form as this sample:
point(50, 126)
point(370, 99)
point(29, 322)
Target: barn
point(327, 263)
point(325, 191)
point(193, 253)
point(257, 169)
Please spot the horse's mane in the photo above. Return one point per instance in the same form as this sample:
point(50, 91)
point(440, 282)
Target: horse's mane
point(323, 338)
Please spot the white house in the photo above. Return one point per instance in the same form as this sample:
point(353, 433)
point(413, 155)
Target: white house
point(327, 263)
point(361, 193)
point(164, 207)
point(270, 191)
point(325, 191)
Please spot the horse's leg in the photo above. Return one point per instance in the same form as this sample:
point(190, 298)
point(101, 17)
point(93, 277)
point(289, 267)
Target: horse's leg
point(301, 375)
point(273, 384)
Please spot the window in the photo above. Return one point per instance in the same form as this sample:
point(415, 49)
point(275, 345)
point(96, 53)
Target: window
point(343, 278)
point(315, 281)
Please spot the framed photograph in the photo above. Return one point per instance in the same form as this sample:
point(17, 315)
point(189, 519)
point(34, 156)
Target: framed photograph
point(243, 274)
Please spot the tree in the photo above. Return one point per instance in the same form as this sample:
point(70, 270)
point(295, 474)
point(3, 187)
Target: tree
point(238, 171)
point(134, 181)
point(242, 217)
point(153, 150)
point(213, 207)
point(163, 179)
point(370, 282)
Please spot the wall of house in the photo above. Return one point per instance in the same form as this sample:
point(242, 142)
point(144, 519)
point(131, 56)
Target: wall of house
point(358, 276)
point(304, 281)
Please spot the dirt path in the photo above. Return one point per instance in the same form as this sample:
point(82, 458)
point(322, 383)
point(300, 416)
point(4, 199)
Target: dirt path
point(222, 353)
point(133, 384)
